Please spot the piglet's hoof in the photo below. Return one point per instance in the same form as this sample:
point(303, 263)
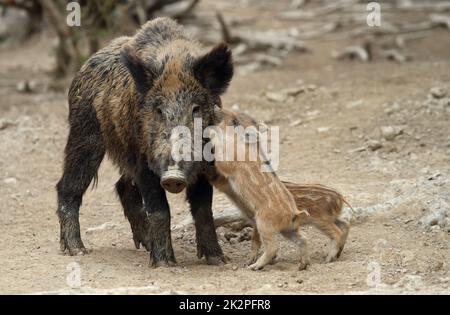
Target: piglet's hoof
point(255, 267)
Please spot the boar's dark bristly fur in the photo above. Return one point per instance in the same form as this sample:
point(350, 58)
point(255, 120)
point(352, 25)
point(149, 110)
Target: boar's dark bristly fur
point(125, 101)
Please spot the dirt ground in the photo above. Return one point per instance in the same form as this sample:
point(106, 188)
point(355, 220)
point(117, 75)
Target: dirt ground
point(346, 103)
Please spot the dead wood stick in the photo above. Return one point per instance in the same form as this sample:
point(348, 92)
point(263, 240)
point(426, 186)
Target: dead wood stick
point(187, 10)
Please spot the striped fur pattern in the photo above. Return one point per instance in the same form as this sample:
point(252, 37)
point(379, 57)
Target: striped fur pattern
point(266, 200)
point(261, 197)
point(324, 206)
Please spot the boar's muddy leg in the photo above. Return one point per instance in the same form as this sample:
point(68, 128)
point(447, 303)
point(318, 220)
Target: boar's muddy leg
point(83, 154)
point(131, 200)
point(156, 233)
point(200, 196)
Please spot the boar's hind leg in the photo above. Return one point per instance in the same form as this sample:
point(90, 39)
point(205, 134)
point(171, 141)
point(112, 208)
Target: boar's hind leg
point(200, 196)
point(155, 234)
point(131, 200)
point(83, 155)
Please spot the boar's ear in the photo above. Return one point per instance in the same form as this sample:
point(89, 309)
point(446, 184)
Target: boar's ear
point(143, 74)
point(215, 69)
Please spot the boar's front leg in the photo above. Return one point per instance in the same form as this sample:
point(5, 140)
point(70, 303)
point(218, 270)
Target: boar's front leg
point(83, 154)
point(133, 208)
point(157, 237)
point(200, 196)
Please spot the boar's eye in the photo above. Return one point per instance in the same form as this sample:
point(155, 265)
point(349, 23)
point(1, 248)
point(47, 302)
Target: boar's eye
point(196, 111)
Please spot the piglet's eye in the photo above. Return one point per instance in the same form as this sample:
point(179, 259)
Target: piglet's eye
point(196, 111)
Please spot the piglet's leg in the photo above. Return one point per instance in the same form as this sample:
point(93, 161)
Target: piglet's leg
point(269, 243)
point(300, 241)
point(256, 245)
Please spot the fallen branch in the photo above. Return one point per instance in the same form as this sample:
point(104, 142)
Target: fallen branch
point(260, 40)
point(362, 53)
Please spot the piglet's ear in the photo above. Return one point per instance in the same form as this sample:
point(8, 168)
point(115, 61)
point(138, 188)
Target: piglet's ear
point(143, 73)
point(215, 69)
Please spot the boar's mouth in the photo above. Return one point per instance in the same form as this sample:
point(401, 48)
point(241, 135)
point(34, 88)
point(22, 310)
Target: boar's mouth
point(174, 181)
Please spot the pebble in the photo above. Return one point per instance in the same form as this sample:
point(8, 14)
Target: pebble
point(26, 86)
point(230, 235)
point(355, 104)
point(323, 129)
point(394, 108)
point(374, 145)
point(295, 123)
point(4, 124)
point(294, 91)
point(437, 92)
point(10, 181)
point(391, 132)
point(276, 97)
point(311, 87)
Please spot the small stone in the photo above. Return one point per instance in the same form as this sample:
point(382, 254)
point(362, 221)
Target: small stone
point(234, 268)
point(407, 256)
point(276, 97)
point(313, 113)
point(355, 104)
point(4, 124)
point(391, 132)
point(359, 149)
point(245, 235)
point(295, 123)
point(394, 108)
point(10, 181)
point(323, 129)
point(437, 92)
point(23, 87)
point(374, 145)
point(235, 107)
point(436, 266)
point(230, 235)
point(311, 87)
point(300, 281)
point(294, 91)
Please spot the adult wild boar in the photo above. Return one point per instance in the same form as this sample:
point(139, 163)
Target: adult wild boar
point(125, 101)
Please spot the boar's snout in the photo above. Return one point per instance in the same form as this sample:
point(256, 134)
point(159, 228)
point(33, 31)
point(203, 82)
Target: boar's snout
point(174, 181)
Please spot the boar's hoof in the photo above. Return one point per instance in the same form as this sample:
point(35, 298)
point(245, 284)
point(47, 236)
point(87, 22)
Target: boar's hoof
point(162, 263)
point(75, 249)
point(216, 260)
